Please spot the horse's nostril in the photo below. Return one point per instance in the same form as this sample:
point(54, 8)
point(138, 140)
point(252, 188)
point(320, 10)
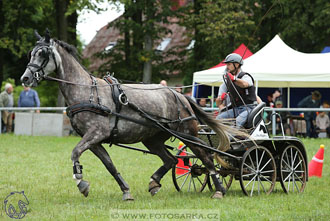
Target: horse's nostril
point(25, 79)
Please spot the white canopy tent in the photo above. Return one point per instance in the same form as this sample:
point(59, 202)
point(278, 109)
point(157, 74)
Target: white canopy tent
point(277, 65)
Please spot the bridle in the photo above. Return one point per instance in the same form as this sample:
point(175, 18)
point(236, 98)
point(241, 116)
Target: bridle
point(45, 53)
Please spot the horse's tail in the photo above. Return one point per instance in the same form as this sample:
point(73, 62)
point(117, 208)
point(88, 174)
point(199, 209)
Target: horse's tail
point(217, 126)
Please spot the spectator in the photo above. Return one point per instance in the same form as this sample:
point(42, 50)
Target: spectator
point(163, 82)
point(202, 102)
point(178, 88)
point(29, 98)
point(277, 96)
point(7, 100)
point(284, 117)
point(322, 124)
point(311, 101)
point(322, 121)
point(269, 101)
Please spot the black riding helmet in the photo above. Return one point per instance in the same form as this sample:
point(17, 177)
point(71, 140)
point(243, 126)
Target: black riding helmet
point(234, 58)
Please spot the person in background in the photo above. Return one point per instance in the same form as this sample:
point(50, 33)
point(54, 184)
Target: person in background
point(269, 101)
point(284, 117)
point(7, 100)
point(277, 96)
point(29, 98)
point(322, 123)
point(311, 101)
point(202, 102)
point(163, 82)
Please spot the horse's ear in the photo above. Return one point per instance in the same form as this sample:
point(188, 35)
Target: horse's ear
point(37, 35)
point(47, 36)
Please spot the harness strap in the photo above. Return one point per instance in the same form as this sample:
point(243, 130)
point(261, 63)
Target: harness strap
point(119, 98)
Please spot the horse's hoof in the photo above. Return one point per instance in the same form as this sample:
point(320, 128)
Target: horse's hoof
point(154, 190)
point(217, 195)
point(83, 187)
point(127, 196)
point(154, 187)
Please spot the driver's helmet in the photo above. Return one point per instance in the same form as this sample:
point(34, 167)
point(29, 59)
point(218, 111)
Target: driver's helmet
point(234, 58)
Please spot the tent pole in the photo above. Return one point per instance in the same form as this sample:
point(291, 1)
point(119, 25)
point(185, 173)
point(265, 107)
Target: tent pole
point(193, 90)
point(256, 87)
point(212, 96)
point(288, 97)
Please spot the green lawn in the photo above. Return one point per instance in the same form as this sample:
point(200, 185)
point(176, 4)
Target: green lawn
point(41, 166)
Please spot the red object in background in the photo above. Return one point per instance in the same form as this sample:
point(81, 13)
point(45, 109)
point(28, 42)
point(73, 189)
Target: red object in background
point(183, 169)
point(316, 164)
point(240, 50)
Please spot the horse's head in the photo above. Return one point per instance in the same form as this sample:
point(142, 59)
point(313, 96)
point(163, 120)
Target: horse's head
point(44, 59)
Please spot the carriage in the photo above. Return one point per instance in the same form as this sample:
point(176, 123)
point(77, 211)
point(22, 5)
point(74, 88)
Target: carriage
point(106, 111)
point(257, 165)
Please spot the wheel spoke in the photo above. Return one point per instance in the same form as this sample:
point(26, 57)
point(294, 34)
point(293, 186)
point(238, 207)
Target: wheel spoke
point(250, 181)
point(287, 177)
point(185, 174)
point(298, 164)
point(262, 156)
point(263, 187)
point(199, 180)
point(267, 171)
point(182, 168)
point(266, 179)
point(254, 181)
point(257, 163)
point(252, 164)
point(245, 175)
point(184, 181)
point(301, 181)
point(253, 170)
point(270, 159)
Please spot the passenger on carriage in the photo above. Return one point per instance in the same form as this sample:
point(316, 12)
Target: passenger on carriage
point(238, 87)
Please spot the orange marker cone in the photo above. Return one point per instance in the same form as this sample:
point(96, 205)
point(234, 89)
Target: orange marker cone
point(315, 166)
point(182, 168)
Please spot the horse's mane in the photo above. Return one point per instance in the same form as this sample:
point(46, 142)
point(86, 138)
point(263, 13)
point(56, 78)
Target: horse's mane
point(69, 48)
point(73, 51)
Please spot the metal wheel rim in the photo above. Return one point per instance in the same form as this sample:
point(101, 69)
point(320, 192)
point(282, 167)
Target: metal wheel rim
point(257, 171)
point(186, 182)
point(293, 170)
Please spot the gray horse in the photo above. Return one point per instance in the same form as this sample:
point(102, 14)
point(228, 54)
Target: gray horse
point(173, 112)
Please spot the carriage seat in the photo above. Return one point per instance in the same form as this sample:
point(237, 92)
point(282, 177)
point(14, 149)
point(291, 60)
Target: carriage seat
point(256, 114)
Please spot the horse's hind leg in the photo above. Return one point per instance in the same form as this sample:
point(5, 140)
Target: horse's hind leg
point(103, 155)
point(156, 146)
point(207, 160)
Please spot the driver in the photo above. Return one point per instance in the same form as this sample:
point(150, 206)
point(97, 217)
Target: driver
point(239, 89)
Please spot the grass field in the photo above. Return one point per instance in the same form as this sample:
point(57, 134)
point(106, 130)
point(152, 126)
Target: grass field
point(41, 166)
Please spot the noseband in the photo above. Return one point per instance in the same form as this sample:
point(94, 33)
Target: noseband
point(45, 53)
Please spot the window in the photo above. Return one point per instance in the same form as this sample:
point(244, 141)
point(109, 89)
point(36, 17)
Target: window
point(110, 46)
point(162, 46)
point(191, 45)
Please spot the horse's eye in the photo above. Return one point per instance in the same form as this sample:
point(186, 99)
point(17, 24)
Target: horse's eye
point(44, 53)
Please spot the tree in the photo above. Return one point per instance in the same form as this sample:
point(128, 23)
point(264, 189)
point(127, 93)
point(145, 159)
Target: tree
point(134, 58)
point(219, 27)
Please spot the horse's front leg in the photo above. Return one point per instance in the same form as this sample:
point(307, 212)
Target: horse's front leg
point(89, 139)
point(103, 155)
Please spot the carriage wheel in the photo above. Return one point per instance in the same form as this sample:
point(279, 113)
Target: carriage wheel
point(293, 170)
point(257, 171)
point(225, 179)
point(189, 175)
